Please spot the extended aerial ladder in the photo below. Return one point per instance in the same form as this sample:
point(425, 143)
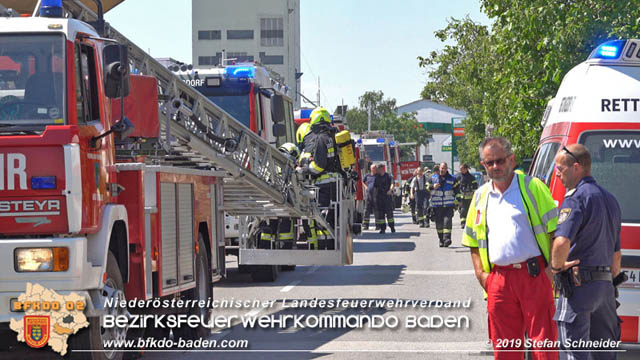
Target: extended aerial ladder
point(197, 133)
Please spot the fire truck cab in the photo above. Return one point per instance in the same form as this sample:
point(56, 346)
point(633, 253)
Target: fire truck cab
point(598, 105)
point(380, 148)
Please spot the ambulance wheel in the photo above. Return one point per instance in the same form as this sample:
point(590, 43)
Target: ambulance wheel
point(95, 336)
point(287, 267)
point(202, 292)
point(265, 273)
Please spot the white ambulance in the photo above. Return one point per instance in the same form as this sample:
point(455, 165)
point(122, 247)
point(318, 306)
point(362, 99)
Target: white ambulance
point(598, 105)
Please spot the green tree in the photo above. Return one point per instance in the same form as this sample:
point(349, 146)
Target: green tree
point(504, 77)
point(384, 116)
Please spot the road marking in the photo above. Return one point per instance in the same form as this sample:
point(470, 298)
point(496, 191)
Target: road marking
point(290, 286)
point(438, 272)
point(253, 312)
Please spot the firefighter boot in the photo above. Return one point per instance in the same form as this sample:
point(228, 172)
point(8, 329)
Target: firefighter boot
point(383, 229)
point(392, 227)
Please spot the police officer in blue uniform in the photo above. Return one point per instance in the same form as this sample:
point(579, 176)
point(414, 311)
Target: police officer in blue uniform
point(585, 258)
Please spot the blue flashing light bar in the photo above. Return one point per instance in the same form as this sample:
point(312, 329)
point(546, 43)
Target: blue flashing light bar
point(240, 72)
point(609, 50)
point(380, 140)
point(51, 8)
point(305, 113)
point(392, 143)
point(359, 141)
point(43, 182)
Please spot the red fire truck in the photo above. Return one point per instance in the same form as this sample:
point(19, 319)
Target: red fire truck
point(113, 185)
point(380, 148)
point(597, 105)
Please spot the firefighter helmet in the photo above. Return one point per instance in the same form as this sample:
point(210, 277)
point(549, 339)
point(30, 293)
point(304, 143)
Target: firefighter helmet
point(319, 115)
point(290, 148)
point(302, 131)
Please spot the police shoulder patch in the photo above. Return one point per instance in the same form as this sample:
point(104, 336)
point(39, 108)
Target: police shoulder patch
point(564, 215)
point(570, 192)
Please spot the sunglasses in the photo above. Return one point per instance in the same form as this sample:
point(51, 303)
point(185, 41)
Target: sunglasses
point(498, 162)
point(564, 148)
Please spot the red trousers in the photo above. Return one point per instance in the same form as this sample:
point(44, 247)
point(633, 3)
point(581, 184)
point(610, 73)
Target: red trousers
point(518, 302)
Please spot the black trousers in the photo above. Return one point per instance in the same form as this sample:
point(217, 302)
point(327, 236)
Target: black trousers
point(384, 209)
point(370, 209)
point(444, 216)
point(464, 209)
point(326, 194)
point(422, 205)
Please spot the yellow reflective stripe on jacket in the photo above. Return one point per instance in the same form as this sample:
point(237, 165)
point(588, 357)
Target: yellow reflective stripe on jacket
point(314, 168)
point(542, 214)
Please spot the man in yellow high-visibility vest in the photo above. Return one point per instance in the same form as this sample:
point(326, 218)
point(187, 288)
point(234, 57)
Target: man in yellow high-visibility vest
point(508, 229)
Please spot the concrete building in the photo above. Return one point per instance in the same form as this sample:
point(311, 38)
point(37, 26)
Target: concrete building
point(267, 31)
point(436, 118)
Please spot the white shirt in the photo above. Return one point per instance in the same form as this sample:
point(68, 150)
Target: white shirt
point(510, 236)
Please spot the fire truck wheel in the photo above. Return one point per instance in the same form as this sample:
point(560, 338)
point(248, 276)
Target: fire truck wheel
point(202, 292)
point(265, 273)
point(287, 267)
point(96, 334)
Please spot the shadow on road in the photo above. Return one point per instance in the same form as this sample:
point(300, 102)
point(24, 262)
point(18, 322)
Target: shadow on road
point(326, 276)
point(370, 235)
point(365, 247)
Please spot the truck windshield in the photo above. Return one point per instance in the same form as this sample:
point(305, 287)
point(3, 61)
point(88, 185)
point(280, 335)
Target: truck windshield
point(375, 152)
point(32, 81)
point(615, 157)
point(236, 105)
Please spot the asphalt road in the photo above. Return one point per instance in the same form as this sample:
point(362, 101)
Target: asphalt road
point(406, 266)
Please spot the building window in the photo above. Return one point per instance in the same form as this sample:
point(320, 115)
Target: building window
point(239, 34)
point(209, 60)
point(271, 59)
point(240, 56)
point(271, 32)
point(209, 35)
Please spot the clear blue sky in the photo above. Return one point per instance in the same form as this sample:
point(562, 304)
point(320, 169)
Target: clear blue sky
point(352, 45)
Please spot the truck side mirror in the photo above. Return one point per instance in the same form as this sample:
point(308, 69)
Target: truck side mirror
point(279, 130)
point(116, 70)
point(277, 108)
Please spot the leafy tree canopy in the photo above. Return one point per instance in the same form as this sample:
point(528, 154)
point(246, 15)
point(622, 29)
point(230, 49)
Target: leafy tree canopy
point(384, 116)
point(504, 75)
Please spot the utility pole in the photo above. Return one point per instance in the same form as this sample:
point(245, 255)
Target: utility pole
point(318, 90)
point(369, 116)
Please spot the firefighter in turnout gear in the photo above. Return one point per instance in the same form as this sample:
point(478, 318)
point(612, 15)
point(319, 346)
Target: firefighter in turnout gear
point(279, 231)
point(443, 199)
point(320, 161)
point(409, 199)
point(420, 194)
point(308, 226)
point(467, 184)
point(368, 183)
point(384, 201)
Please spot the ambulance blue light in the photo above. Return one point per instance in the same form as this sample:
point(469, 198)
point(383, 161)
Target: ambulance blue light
point(392, 143)
point(609, 51)
point(51, 8)
point(43, 182)
point(240, 72)
point(359, 141)
point(380, 140)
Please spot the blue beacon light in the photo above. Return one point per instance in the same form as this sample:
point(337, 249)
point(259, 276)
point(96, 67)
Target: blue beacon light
point(609, 51)
point(51, 8)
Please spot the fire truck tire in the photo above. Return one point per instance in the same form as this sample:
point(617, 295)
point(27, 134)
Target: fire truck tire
point(287, 267)
point(202, 292)
point(93, 337)
point(265, 273)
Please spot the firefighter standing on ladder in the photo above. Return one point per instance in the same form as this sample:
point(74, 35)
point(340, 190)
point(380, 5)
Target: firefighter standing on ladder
point(319, 159)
